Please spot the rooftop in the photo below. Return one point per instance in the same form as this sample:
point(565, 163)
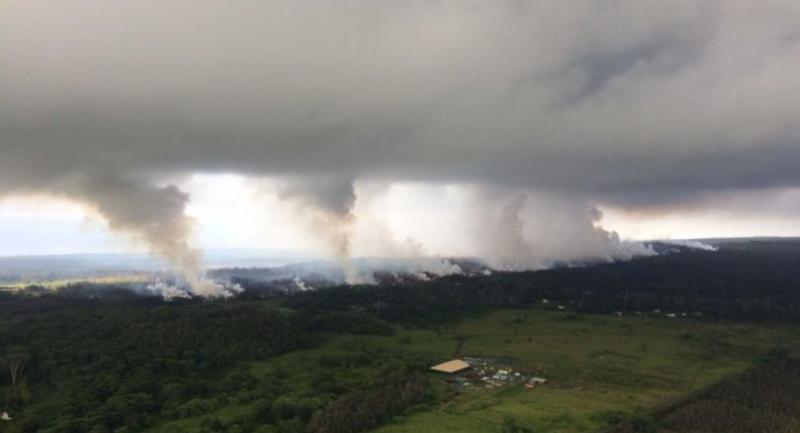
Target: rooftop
point(453, 366)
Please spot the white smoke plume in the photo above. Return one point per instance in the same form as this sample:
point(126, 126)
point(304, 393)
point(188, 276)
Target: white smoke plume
point(168, 291)
point(301, 285)
point(628, 104)
point(499, 232)
point(171, 291)
point(325, 208)
point(691, 243)
point(530, 231)
point(373, 237)
point(151, 215)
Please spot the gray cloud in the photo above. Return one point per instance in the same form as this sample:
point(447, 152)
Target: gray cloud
point(581, 96)
point(622, 101)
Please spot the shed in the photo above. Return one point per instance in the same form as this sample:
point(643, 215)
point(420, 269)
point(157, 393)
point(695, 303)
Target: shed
point(451, 367)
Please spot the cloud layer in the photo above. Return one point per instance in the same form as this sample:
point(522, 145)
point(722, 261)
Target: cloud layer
point(634, 104)
point(593, 96)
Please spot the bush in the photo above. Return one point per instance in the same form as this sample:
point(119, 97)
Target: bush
point(610, 417)
point(512, 425)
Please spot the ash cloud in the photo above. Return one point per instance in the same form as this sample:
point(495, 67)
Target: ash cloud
point(622, 103)
point(536, 230)
point(325, 207)
point(154, 216)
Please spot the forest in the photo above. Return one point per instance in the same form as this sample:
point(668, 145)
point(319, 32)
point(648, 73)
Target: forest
point(346, 359)
point(102, 367)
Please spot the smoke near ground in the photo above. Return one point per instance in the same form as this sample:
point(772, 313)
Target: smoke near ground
point(325, 208)
point(554, 107)
point(520, 231)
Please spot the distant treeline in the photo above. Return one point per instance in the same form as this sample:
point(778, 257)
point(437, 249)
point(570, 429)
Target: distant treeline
point(749, 281)
point(754, 282)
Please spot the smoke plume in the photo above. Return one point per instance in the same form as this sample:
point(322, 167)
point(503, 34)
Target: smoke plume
point(325, 208)
point(570, 104)
point(153, 216)
point(529, 231)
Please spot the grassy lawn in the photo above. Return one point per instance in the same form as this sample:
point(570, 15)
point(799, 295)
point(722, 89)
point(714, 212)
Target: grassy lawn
point(595, 364)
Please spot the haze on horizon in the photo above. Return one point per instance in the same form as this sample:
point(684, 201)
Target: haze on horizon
point(522, 132)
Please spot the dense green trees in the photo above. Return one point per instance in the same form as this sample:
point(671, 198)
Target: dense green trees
point(363, 410)
point(124, 367)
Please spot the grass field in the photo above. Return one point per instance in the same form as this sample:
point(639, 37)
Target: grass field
point(595, 364)
point(598, 367)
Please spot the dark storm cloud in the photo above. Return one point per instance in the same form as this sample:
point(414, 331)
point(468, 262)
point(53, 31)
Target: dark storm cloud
point(624, 101)
point(586, 96)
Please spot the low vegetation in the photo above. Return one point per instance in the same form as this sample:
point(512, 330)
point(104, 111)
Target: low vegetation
point(762, 399)
point(356, 359)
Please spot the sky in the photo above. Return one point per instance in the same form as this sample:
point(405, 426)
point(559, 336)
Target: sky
point(522, 131)
point(231, 214)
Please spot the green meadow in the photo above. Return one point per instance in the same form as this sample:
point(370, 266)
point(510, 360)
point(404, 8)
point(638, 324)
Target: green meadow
point(600, 368)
